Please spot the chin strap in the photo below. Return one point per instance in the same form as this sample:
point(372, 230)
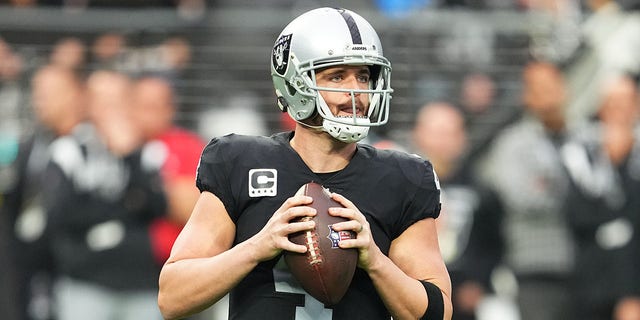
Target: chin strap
point(344, 132)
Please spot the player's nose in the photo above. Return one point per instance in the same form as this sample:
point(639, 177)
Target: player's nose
point(352, 82)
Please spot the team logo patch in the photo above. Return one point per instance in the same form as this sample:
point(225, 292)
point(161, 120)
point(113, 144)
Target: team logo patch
point(337, 236)
point(263, 183)
point(280, 54)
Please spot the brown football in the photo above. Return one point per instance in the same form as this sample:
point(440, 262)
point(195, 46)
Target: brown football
point(325, 270)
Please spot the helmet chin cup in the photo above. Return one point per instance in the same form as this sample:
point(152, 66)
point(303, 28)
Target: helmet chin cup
point(346, 132)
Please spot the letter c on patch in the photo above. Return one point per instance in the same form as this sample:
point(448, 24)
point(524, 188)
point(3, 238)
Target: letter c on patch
point(263, 182)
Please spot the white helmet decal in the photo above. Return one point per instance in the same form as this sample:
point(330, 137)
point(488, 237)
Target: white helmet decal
point(281, 54)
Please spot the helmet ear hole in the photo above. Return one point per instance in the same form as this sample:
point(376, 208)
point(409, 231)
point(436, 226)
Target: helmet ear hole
point(290, 89)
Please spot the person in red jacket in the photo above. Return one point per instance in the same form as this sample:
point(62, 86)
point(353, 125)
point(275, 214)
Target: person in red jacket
point(175, 150)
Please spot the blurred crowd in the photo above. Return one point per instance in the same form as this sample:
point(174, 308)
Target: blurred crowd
point(186, 9)
point(539, 215)
point(96, 182)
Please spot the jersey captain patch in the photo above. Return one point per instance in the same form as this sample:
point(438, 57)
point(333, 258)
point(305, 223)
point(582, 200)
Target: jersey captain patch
point(263, 183)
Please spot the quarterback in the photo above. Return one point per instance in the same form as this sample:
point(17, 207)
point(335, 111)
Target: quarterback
point(331, 77)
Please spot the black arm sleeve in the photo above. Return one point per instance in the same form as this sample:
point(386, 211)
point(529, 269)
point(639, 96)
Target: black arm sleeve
point(435, 309)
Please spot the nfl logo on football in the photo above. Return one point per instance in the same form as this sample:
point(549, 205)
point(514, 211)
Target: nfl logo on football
point(337, 236)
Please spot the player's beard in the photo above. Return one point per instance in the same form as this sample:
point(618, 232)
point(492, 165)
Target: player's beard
point(314, 122)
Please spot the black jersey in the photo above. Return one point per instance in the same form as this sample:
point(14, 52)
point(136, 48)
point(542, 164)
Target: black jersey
point(253, 176)
point(99, 207)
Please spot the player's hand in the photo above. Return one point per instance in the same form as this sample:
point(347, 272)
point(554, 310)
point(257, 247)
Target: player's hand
point(274, 236)
point(367, 248)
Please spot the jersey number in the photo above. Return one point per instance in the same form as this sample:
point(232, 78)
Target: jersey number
point(286, 283)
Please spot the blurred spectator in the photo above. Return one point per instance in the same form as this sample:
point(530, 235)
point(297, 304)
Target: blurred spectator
point(58, 103)
point(469, 224)
point(110, 97)
point(13, 113)
point(176, 149)
point(483, 117)
point(439, 135)
point(611, 46)
point(381, 139)
point(477, 94)
point(469, 43)
point(70, 53)
point(175, 56)
point(107, 51)
point(11, 68)
point(525, 168)
point(191, 10)
point(627, 309)
point(101, 196)
point(168, 58)
point(239, 115)
point(604, 162)
point(554, 29)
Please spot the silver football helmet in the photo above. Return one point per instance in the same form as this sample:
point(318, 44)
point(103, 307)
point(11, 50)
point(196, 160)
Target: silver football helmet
point(327, 37)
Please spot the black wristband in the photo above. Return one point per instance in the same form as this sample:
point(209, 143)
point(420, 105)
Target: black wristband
point(435, 308)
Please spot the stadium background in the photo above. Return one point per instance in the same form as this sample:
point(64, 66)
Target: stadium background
point(222, 75)
point(431, 47)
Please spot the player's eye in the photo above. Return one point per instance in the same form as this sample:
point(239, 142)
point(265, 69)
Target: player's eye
point(336, 77)
point(363, 78)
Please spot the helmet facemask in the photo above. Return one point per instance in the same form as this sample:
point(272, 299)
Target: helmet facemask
point(354, 127)
point(344, 128)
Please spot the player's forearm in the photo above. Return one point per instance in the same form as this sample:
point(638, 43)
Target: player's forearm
point(404, 297)
point(188, 286)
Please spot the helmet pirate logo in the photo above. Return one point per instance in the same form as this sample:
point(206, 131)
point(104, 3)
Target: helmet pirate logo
point(281, 53)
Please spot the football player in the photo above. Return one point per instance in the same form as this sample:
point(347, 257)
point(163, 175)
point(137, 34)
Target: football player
point(332, 78)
